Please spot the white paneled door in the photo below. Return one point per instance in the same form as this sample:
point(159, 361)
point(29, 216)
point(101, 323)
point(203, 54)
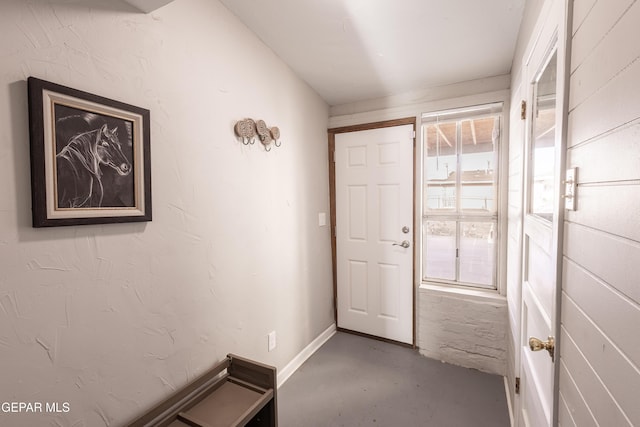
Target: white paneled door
point(374, 231)
point(543, 217)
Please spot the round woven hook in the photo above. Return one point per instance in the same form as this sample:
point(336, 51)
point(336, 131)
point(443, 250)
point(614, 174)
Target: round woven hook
point(251, 130)
point(244, 129)
point(261, 129)
point(275, 135)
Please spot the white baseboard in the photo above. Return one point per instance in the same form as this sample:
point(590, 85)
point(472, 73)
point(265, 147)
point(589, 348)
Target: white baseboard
point(306, 353)
point(509, 403)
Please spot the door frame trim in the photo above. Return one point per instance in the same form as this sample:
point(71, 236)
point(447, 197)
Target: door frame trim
point(331, 133)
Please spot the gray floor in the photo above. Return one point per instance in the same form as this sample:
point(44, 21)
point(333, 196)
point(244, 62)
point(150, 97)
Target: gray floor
point(356, 381)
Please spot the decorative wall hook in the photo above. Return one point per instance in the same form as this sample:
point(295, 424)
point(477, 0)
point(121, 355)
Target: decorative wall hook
point(248, 129)
point(275, 135)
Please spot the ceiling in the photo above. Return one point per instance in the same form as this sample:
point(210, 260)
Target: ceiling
point(355, 50)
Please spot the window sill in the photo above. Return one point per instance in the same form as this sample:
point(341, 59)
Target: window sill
point(474, 294)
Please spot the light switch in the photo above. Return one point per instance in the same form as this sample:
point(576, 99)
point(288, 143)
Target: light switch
point(322, 219)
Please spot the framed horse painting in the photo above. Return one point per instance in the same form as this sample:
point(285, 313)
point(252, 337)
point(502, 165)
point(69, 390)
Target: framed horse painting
point(90, 159)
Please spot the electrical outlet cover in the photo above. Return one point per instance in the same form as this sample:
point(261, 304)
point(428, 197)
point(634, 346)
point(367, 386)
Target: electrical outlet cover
point(272, 340)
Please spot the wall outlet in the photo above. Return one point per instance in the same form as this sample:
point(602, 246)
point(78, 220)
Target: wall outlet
point(271, 338)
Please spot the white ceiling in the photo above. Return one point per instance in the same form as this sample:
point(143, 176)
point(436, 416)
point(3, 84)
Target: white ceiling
point(354, 50)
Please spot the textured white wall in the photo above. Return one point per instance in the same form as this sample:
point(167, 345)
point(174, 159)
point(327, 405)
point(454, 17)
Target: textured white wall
point(113, 318)
point(463, 329)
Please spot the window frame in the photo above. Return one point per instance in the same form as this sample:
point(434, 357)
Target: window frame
point(458, 215)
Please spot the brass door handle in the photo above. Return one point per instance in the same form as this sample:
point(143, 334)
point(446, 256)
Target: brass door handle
point(536, 344)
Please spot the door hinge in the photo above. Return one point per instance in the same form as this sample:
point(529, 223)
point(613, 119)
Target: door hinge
point(523, 110)
point(517, 385)
point(333, 156)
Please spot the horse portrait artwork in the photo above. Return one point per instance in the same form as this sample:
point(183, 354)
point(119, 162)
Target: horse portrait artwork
point(93, 160)
point(90, 158)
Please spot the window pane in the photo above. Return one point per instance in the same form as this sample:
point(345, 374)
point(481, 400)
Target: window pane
point(477, 197)
point(440, 197)
point(477, 252)
point(440, 160)
point(439, 252)
point(478, 161)
point(543, 141)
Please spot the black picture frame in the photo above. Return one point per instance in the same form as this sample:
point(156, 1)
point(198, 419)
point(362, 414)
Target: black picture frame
point(90, 157)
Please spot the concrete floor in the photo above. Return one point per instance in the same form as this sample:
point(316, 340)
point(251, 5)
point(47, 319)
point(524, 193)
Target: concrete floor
point(356, 381)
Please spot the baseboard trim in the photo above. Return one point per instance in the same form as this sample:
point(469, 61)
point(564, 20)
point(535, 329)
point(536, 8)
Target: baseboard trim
point(509, 403)
point(287, 371)
point(373, 337)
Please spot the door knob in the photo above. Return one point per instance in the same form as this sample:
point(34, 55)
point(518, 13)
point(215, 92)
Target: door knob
point(405, 244)
point(536, 344)
point(405, 229)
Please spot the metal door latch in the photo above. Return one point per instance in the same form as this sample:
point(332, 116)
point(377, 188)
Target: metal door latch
point(405, 244)
point(570, 185)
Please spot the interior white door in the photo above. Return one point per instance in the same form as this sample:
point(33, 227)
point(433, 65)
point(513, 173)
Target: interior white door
point(542, 234)
point(374, 231)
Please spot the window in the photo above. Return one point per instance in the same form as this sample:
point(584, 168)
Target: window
point(460, 196)
point(543, 143)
